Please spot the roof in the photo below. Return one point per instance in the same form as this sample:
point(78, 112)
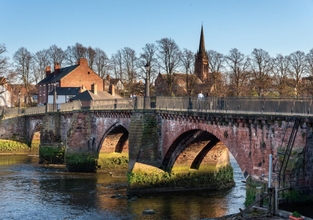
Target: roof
point(114, 81)
point(59, 74)
point(66, 91)
point(88, 95)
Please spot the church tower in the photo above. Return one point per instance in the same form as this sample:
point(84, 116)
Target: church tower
point(201, 60)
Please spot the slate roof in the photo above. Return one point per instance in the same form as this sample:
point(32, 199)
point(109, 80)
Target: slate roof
point(66, 91)
point(55, 77)
point(88, 95)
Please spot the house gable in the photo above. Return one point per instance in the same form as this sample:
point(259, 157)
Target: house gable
point(82, 76)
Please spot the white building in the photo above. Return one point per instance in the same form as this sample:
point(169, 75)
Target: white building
point(5, 94)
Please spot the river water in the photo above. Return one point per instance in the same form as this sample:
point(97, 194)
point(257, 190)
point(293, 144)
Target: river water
point(29, 190)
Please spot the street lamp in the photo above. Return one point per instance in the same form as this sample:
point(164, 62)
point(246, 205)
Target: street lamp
point(147, 87)
point(54, 97)
point(19, 101)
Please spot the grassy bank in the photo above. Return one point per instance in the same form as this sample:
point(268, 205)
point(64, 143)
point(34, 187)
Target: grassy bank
point(13, 147)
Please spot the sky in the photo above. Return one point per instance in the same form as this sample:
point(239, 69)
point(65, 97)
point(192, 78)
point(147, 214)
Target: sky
point(276, 26)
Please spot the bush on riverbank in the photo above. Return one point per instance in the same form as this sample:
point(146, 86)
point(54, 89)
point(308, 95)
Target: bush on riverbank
point(52, 154)
point(81, 162)
point(220, 179)
point(10, 146)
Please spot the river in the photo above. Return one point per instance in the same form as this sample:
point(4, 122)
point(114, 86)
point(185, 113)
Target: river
point(29, 190)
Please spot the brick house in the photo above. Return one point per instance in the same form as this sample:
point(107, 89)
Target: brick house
point(20, 96)
point(117, 83)
point(79, 75)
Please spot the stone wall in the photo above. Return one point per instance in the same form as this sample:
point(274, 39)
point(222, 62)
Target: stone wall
point(13, 128)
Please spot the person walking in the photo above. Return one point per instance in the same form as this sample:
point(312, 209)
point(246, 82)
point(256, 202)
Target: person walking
point(200, 100)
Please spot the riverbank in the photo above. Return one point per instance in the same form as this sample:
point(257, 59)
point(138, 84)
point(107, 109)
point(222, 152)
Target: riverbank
point(258, 213)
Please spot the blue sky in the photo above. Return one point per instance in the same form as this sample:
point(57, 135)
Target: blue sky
point(276, 26)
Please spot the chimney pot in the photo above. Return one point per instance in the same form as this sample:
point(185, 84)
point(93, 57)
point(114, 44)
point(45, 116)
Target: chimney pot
point(83, 62)
point(48, 71)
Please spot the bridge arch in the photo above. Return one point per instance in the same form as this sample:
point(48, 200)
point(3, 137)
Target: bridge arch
point(112, 150)
point(192, 147)
point(222, 135)
point(118, 135)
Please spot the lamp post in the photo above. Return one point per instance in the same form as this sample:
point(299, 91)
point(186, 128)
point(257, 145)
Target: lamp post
point(147, 87)
point(54, 97)
point(19, 101)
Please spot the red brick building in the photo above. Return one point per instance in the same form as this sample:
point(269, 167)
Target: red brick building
point(79, 75)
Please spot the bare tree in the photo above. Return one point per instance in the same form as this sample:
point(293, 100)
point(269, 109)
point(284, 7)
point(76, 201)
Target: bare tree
point(309, 60)
point(187, 59)
point(148, 57)
point(309, 81)
point(101, 63)
point(129, 63)
point(261, 69)
point(74, 53)
point(238, 65)
point(280, 69)
point(91, 56)
point(3, 60)
point(41, 59)
point(169, 58)
point(216, 65)
point(117, 64)
point(297, 69)
point(56, 55)
point(23, 63)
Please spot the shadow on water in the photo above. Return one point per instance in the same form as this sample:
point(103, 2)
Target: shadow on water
point(30, 190)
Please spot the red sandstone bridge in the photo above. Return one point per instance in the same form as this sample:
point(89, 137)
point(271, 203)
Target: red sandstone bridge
point(179, 133)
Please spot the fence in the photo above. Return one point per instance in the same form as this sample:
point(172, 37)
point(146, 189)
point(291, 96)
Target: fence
point(237, 104)
point(299, 106)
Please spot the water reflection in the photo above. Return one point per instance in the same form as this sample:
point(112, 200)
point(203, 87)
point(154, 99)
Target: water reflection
point(33, 191)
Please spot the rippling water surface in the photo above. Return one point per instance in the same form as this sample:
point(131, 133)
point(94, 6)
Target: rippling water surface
point(29, 190)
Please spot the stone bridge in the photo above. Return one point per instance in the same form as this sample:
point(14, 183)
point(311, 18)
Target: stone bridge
point(183, 139)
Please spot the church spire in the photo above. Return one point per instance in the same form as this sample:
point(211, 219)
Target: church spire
point(201, 61)
point(201, 44)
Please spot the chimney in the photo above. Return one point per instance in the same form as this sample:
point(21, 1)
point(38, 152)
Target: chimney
point(82, 89)
point(83, 62)
point(112, 90)
point(104, 84)
point(48, 71)
point(56, 68)
point(108, 77)
point(94, 88)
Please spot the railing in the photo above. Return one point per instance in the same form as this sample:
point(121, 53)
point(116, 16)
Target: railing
point(273, 106)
